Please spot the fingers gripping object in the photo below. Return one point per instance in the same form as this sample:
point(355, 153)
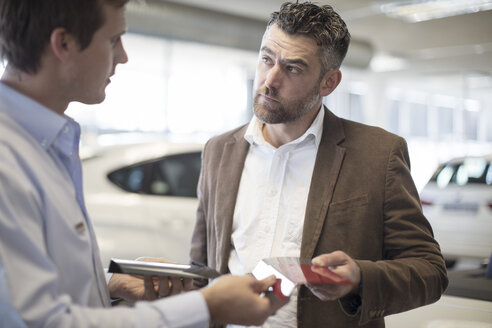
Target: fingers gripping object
point(276, 289)
point(291, 272)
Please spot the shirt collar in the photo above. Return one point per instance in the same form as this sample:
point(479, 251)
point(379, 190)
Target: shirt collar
point(254, 133)
point(41, 123)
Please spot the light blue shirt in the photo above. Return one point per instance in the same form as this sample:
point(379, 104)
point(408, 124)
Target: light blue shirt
point(47, 243)
point(9, 317)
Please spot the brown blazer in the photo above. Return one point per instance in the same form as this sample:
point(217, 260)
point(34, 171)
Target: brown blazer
point(362, 200)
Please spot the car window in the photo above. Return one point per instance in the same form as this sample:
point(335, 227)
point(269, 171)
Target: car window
point(176, 175)
point(470, 171)
point(488, 176)
point(445, 174)
point(129, 178)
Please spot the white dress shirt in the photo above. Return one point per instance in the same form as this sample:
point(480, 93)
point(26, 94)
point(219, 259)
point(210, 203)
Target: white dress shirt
point(271, 204)
point(48, 247)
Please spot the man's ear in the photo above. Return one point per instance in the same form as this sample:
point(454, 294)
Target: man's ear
point(330, 81)
point(62, 44)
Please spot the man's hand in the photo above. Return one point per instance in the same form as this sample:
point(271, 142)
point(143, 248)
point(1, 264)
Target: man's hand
point(128, 287)
point(134, 288)
point(343, 265)
point(238, 300)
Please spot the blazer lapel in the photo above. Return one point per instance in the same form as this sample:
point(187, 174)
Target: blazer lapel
point(329, 161)
point(228, 179)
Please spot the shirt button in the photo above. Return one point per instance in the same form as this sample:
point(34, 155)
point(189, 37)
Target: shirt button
point(44, 142)
point(273, 192)
point(65, 129)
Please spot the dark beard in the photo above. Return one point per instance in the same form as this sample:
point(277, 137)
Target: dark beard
point(281, 113)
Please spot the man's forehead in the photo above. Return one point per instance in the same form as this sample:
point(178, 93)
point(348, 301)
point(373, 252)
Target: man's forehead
point(277, 41)
point(115, 20)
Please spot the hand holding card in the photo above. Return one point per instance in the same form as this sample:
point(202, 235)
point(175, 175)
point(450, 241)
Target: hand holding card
point(293, 271)
point(341, 264)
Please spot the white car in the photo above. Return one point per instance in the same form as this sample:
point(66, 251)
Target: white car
point(458, 203)
point(142, 199)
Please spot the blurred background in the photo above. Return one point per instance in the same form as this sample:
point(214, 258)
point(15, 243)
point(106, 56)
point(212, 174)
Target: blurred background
point(421, 69)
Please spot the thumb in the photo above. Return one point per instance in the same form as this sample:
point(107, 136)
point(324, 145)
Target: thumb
point(335, 258)
point(260, 286)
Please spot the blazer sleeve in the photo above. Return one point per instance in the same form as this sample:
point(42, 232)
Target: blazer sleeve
point(412, 271)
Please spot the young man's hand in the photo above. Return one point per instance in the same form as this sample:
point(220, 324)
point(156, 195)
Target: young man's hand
point(240, 300)
point(134, 288)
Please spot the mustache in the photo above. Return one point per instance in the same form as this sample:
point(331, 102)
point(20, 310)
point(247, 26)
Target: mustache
point(272, 93)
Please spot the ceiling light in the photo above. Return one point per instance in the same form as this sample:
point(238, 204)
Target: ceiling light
point(384, 62)
point(423, 10)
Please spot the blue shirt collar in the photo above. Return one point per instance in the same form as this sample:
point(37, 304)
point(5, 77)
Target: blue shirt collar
point(43, 124)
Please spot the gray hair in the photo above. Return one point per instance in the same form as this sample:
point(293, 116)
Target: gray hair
point(321, 23)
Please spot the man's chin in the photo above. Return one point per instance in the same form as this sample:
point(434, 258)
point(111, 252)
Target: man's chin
point(93, 101)
point(268, 117)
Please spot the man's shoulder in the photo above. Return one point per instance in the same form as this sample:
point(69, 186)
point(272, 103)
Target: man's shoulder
point(17, 146)
point(352, 131)
point(364, 127)
point(360, 132)
point(11, 131)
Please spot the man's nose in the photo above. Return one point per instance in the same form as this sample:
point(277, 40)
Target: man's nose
point(274, 77)
point(122, 56)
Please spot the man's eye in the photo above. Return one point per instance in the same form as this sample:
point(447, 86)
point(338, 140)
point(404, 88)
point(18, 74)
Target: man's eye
point(266, 60)
point(115, 41)
point(293, 69)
